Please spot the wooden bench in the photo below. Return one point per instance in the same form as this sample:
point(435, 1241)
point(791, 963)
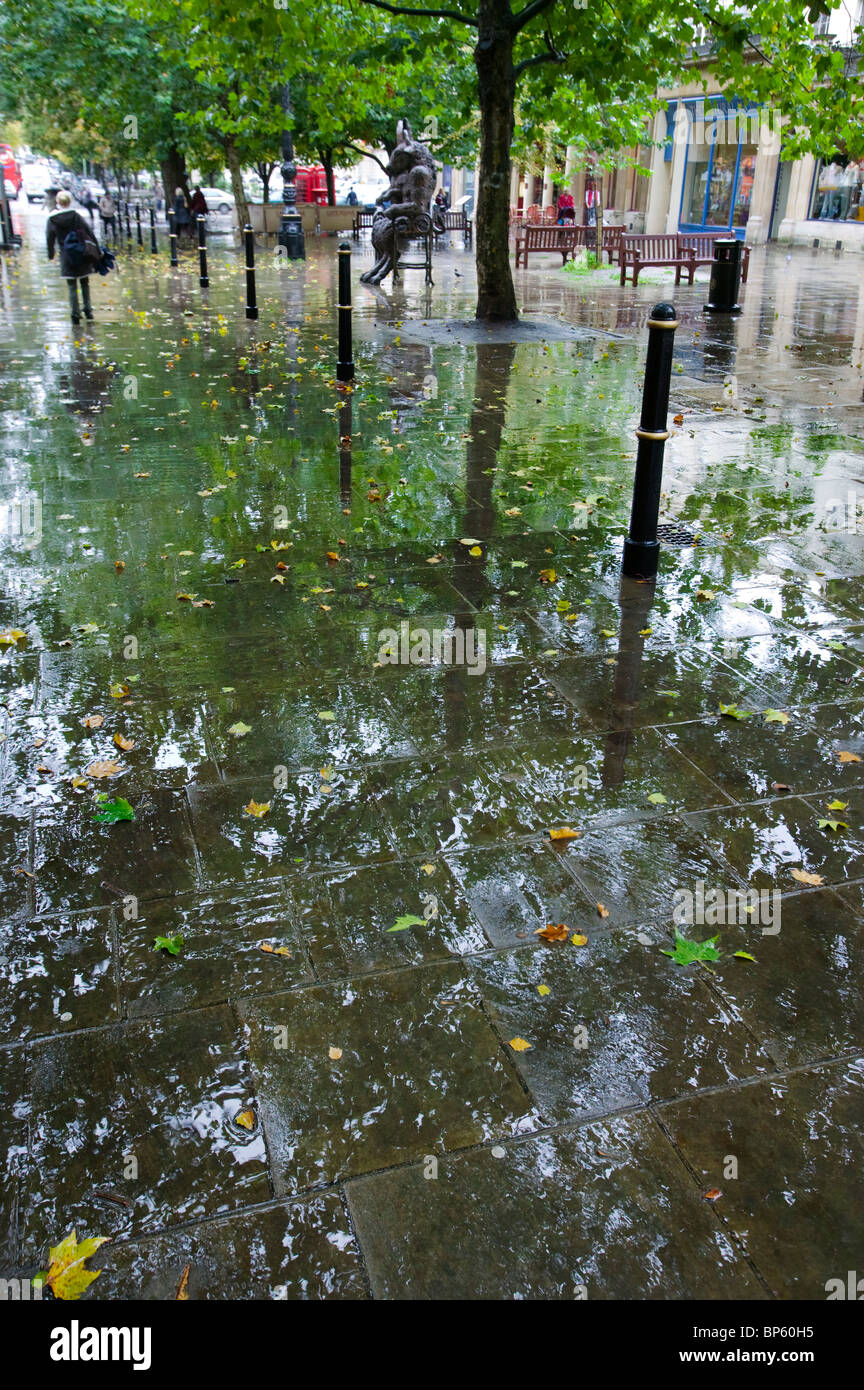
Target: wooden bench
point(612, 234)
point(649, 248)
point(539, 238)
point(362, 220)
point(701, 247)
point(459, 222)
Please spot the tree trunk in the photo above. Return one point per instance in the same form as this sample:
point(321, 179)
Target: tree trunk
point(263, 170)
point(326, 158)
point(232, 159)
point(496, 86)
point(174, 175)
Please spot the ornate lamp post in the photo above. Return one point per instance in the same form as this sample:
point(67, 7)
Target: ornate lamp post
point(291, 228)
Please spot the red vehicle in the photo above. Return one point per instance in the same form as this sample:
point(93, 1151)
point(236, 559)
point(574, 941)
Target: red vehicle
point(11, 168)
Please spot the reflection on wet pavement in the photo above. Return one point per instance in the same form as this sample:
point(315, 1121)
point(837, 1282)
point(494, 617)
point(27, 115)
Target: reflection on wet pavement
point(220, 580)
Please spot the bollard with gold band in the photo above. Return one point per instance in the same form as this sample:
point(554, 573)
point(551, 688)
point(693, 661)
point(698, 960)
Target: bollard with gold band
point(642, 548)
point(203, 279)
point(251, 299)
point(345, 364)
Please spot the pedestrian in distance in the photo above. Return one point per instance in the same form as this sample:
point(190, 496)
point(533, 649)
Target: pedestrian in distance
point(182, 217)
point(197, 207)
point(108, 213)
point(80, 253)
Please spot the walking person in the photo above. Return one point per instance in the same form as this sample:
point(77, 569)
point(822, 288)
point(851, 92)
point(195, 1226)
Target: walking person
point(197, 207)
point(108, 213)
point(79, 252)
point(182, 219)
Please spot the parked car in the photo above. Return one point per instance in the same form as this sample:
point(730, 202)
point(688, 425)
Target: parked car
point(218, 200)
point(35, 178)
point(11, 169)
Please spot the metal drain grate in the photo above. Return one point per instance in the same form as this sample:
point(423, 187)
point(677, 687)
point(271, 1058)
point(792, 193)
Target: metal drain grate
point(671, 534)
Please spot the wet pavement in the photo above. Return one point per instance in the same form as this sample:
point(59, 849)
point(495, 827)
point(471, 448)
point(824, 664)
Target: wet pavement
point(364, 1073)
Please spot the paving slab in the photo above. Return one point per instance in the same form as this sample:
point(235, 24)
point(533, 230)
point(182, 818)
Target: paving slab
point(606, 1211)
point(796, 1146)
point(419, 1070)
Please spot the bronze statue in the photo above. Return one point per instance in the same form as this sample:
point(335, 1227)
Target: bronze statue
point(412, 179)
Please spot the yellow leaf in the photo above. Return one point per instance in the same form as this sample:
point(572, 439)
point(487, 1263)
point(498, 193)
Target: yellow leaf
point(127, 744)
point(476, 550)
point(428, 868)
point(520, 1045)
point(270, 950)
point(553, 931)
point(602, 911)
point(814, 880)
point(118, 691)
point(67, 1278)
point(257, 809)
point(578, 939)
point(12, 635)
point(334, 1053)
point(245, 1119)
point(93, 721)
point(548, 576)
point(543, 990)
point(846, 757)
point(182, 1293)
point(564, 833)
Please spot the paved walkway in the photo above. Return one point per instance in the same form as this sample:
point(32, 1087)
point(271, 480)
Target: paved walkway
point(364, 1073)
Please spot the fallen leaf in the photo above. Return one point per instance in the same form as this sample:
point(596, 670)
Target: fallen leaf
point(327, 715)
point(733, 712)
point(686, 952)
point(245, 1119)
point(602, 911)
point(658, 799)
point(428, 868)
point(543, 990)
point(119, 690)
point(553, 931)
point(103, 768)
point(548, 576)
point(836, 825)
point(745, 955)
point(409, 920)
point(127, 744)
point(776, 716)
point(171, 944)
point(564, 833)
point(579, 939)
point(109, 812)
point(712, 1194)
point(257, 809)
point(802, 876)
point(67, 1278)
point(846, 757)
point(334, 1053)
point(182, 1294)
point(520, 1045)
point(93, 721)
point(271, 950)
point(240, 730)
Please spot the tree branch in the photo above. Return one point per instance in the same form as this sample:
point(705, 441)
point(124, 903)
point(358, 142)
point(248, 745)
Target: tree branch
point(525, 16)
point(549, 55)
point(429, 14)
point(367, 154)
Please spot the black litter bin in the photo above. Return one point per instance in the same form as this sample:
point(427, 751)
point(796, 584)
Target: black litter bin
point(725, 277)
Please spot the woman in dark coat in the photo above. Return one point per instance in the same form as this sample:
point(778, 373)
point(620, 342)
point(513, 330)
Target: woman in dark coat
point(197, 206)
point(62, 221)
point(182, 220)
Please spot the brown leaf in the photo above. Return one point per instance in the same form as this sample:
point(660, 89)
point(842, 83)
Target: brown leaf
point(127, 744)
point(712, 1194)
point(553, 931)
point(846, 757)
point(602, 911)
point(182, 1288)
point(93, 721)
point(103, 768)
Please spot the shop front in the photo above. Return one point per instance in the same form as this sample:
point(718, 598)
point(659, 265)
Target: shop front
point(722, 147)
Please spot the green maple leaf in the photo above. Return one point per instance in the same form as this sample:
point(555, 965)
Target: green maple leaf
point(171, 944)
point(658, 799)
point(111, 811)
point(776, 716)
point(67, 1278)
point(240, 730)
point(733, 712)
point(745, 955)
point(835, 825)
point(687, 951)
point(409, 920)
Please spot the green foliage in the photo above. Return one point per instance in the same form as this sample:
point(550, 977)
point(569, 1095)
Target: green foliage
point(686, 952)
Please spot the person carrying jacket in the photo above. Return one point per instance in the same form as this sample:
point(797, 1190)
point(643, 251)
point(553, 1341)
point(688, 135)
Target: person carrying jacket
point(74, 265)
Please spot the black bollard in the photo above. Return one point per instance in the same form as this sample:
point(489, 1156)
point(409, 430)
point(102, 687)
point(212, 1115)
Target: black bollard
point(172, 239)
point(128, 226)
point(202, 254)
point(345, 364)
point(154, 249)
point(251, 301)
point(138, 226)
point(642, 548)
